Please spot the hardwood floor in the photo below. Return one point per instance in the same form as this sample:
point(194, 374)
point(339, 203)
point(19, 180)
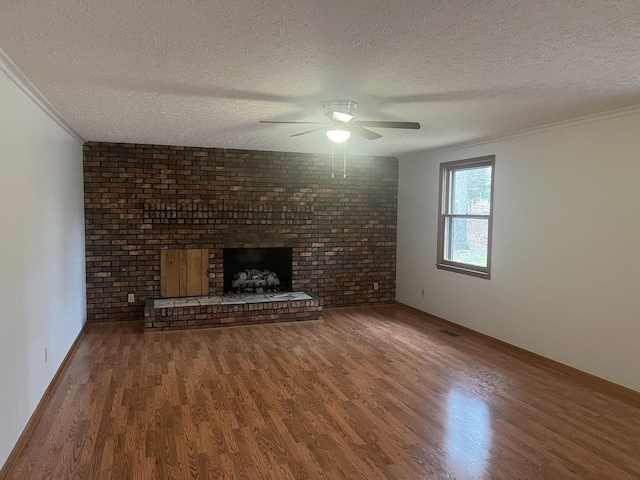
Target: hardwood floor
point(376, 392)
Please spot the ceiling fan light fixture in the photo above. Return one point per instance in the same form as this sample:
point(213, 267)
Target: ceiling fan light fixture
point(338, 136)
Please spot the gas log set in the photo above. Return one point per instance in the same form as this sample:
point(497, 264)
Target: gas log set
point(255, 281)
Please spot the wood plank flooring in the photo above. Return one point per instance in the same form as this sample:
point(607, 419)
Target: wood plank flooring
point(369, 393)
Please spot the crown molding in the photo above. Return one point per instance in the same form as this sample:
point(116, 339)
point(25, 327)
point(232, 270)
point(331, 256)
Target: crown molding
point(595, 117)
point(14, 74)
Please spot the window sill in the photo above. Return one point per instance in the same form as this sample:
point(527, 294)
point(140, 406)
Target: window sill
point(463, 270)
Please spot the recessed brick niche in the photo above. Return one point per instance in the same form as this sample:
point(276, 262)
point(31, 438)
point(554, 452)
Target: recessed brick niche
point(140, 199)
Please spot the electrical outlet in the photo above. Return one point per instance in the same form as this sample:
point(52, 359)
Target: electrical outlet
point(376, 286)
point(423, 293)
point(46, 357)
point(131, 298)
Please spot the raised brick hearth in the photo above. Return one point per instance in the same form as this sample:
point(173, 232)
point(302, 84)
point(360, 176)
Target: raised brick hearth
point(209, 315)
point(140, 199)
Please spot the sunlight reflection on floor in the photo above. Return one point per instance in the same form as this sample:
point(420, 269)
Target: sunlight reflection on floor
point(468, 434)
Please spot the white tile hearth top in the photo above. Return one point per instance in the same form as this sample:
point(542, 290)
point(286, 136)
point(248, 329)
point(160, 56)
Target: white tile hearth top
point(237, 299)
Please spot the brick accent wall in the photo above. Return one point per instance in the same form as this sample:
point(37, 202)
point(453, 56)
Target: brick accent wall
point(140, 199)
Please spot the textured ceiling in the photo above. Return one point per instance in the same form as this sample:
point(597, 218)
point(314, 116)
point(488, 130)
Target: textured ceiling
point(203, 73)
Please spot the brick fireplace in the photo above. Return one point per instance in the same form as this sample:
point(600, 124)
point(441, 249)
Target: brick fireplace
point(277, 260)
point(140, 199)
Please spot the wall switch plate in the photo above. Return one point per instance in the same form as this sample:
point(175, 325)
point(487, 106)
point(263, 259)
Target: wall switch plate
point(131, 298)
point(46, 356)
point(376, 286)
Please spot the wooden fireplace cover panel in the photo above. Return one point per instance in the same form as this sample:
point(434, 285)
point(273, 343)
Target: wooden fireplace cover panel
point(183, 273)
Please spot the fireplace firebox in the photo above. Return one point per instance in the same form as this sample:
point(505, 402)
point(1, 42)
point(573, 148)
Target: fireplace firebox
point(277, 260)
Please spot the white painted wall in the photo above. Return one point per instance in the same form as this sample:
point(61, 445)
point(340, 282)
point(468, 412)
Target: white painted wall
point(42, 280)
point(565, 279)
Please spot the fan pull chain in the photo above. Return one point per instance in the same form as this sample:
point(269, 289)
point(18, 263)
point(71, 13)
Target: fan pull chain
point(344, 166)
point(333, 157)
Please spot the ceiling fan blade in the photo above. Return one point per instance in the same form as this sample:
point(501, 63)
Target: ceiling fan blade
point(304, 123)
point(363, 132)
point(308, 131)
point(342, 117)
point(375, 124)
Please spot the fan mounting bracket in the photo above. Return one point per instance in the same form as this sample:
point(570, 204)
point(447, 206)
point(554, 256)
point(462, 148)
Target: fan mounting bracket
point(342, 106)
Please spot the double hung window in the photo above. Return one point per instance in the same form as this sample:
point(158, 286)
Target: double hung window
point(465, 216)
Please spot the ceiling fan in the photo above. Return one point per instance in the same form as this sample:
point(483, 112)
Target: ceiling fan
point(341, 125)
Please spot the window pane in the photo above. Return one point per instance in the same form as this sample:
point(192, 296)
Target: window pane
point(470, 191)
point(467, 241)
